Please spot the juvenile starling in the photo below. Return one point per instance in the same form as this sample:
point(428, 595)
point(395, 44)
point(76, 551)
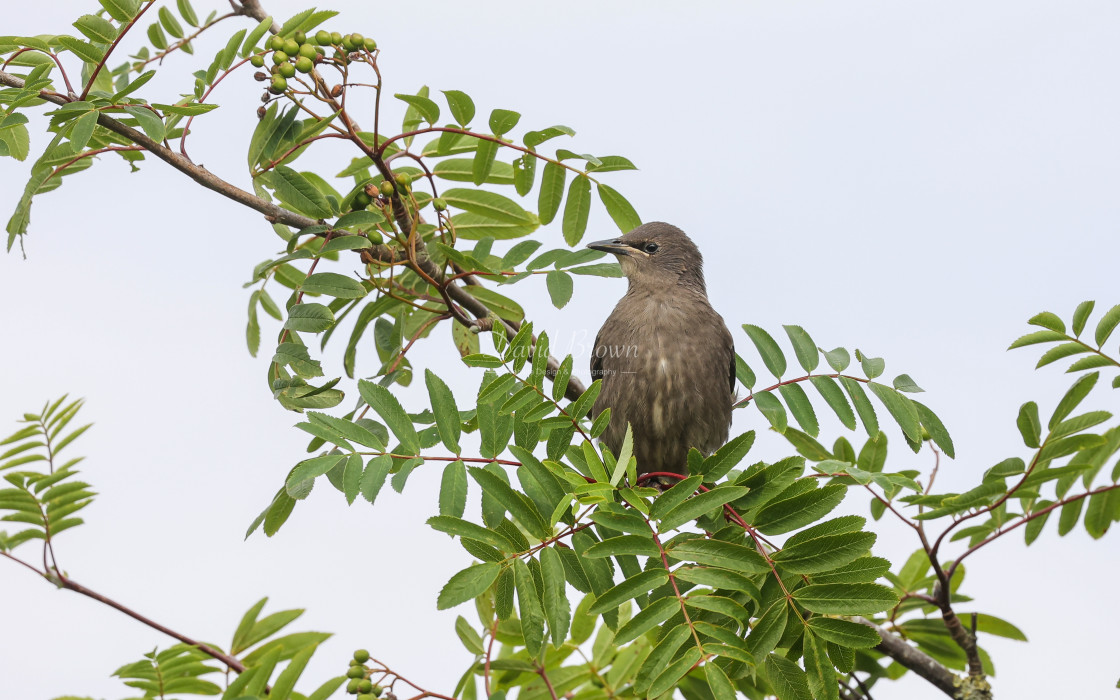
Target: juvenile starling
point(666, 358)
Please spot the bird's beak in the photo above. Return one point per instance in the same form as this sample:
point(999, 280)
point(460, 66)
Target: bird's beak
point(611, 245)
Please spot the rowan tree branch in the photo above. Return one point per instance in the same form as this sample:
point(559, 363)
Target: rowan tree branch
point(917, 661)
point(278, 214)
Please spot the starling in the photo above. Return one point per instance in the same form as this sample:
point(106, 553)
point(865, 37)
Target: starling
point(666, 358)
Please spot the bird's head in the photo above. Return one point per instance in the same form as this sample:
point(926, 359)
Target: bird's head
point(656, 254)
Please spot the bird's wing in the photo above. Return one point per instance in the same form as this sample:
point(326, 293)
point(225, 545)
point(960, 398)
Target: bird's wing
point(596, 360)
point(732, 369)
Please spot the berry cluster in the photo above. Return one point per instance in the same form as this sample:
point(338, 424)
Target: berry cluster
point(300, 53)
point(359, 683)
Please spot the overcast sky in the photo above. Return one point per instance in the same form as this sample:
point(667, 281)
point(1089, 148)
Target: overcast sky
point(914, 179)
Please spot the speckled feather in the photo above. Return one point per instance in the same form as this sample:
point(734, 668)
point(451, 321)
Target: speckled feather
point(666, 358)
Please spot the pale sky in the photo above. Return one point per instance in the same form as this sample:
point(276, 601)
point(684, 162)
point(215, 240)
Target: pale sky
point(914, 179)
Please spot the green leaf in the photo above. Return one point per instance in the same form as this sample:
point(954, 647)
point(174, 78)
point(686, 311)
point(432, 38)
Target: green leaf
point(846, 598)
point(121, 10)
point(620, 210)
point(903, 382)
point(502, 121)
point(187, 12)
point(488, 204)
point(333, 284)
point(1049, 321)
point(803, 347)
point(453, 490)
point(718, 682)
point(97, 29)
point(149, 121)
point(819, 670)
point(310, 469)
point(699, 505)
point(674, 672)
point(81, 130)
point(845, 633)
point(800, 407)
point(901, 409)
point(1037, 337)
point(990, 624)
point(1029, 425)
point(834, 397)
point(552, 191)
point(445, 411)
point(824, 553)
point(467, 584)
point(309, 318)
point(373, 478)
point(743, 372)
point(560, 287)
point(1076, 393)
point(468, 530)
point(727, 457)
point(347, 430)
point(462, 106)
point(726, 555)
point(425, 107)
point(389, 408)
point(936, 429)
point(557, 608)
point(1106, 325)
point(632, 587)
point(296, 190)
point(654, 614)
point(483, 162)
point(1059, 352)
point(788, 514)
point(352, 478)
point(576, 209)
point(772, 409)
point(786, 678)
point(771, 354)
point(838, 359)
point(1081, 315)
point(529, 607)
point(170, 23)
point(476, 227)
point(518, 505)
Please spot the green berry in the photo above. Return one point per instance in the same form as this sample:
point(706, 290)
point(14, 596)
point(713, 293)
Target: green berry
point(300, 38)
point(291, 47)
point(308, 51)
point(257, 61)
point(279, 85)
point(358, 672)
point(341, 56)
point(348, 43)
point(303, 64)
point(365, 696)
point(370, 44)
point(386, 188)
point(365, 685)
point(361, 200)
point(357, 40)
point(352, 686)
point(276, 43)
point(336, 38)
point(355, 662)
point(404, 180)
point(279, 57)
point(376, 690)
point(287, 70)
point(375, 237)
point(322, 37)
point(439, 204)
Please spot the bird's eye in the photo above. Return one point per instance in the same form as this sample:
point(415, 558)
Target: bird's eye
point(650, 248)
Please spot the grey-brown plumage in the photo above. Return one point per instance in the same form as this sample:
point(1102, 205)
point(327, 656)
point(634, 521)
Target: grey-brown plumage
point(666, 358)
